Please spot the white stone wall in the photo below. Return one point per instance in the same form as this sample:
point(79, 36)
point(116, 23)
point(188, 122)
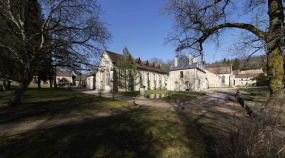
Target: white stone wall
point(104, 76)
point(89, 82)
point(61, 77)
point(213, 79)
point(193, 79)
point(245, 81)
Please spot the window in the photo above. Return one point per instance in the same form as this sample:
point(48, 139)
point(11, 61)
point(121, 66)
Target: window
point(187, 86)
point(181, 74)
point(176, 85)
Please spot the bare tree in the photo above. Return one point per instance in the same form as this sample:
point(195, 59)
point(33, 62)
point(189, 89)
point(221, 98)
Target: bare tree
point(31, 29)
point(197, 21)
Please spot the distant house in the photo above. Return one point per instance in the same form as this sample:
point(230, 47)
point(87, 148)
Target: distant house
point(187, 75)
point(247, 77)
point(225, 73)
point(63, 76)
point(80, 80)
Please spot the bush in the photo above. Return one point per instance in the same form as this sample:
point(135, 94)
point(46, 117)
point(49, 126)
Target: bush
point(261, 80)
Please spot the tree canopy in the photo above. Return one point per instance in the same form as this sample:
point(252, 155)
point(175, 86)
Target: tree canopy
point(198, 21)
point(71, 32)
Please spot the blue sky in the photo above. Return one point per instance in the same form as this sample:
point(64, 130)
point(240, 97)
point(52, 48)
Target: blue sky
point(137, 25)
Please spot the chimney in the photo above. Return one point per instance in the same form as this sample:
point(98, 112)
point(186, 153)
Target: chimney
point(176, 61)
point(190, 58)
point(231, 69)
point(194, 59)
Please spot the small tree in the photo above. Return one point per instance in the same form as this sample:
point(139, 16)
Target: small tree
point(261, 80)
point(127, 69)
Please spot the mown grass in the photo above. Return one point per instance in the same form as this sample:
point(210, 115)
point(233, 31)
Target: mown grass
point(54, 103)
point(176, 96)
point(256, 94)
point(137, 133)
point(136, 93)
point(173, 96)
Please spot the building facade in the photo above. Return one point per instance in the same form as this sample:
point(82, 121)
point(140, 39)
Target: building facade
point(152, 76)
point(187, 75)
point(225, 73)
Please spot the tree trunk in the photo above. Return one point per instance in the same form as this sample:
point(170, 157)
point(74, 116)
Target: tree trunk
point(39, 83)
point(17, 95)
point(8, 85)
point(50, 82)
point(274, 46)
point(4, 85)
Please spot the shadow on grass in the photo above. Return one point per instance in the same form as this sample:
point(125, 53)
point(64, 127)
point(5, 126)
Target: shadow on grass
point(138, 133)
point(56, 103)
point(208, 133)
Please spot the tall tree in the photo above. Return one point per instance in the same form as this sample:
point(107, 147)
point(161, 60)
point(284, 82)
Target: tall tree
point(30, 36)
point(196, 21)
point(236, 64)
point(128, 73)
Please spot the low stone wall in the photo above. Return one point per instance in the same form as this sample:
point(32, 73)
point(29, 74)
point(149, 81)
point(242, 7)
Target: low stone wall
point(240, 99)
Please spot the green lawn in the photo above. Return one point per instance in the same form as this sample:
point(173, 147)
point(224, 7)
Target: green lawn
point(54, 103)
point(138, 133)
point(172, 95)
point(259, 94)
point(144, 132)
point(176, 96)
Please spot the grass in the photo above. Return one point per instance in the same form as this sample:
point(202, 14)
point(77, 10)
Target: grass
point(176, 96)
point(144, 132)
point(256, 94)
point(173, 96)
point(138, 133)
point(48, 103)
point(136, 93)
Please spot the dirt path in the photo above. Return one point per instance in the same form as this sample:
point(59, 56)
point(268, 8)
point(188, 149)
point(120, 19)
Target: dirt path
point(217, 104)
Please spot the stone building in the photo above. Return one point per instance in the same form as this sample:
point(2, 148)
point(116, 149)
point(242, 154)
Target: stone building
point(226, 74)
point(151, 74)
point(62, 76)
point(80, 80)
point(187, 75)
point(91, 80)
point(247, 77)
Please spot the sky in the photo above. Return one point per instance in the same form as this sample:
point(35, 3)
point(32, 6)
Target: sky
point(137, 25)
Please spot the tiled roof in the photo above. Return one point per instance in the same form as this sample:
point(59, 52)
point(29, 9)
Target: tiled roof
point(145, 62)
point(235, 72)
point(114, 56)
point(136, 60)
point(92, 73)
point(220, 70)
point(143, 65)
point(253, 71)
point(183, 63)
point(63, 73)
point(83, 77)
point(246, 75)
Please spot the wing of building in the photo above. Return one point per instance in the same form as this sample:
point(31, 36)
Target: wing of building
point(151, 74)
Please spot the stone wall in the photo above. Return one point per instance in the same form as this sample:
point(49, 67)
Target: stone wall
point(214, 80)
point(193, 79)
